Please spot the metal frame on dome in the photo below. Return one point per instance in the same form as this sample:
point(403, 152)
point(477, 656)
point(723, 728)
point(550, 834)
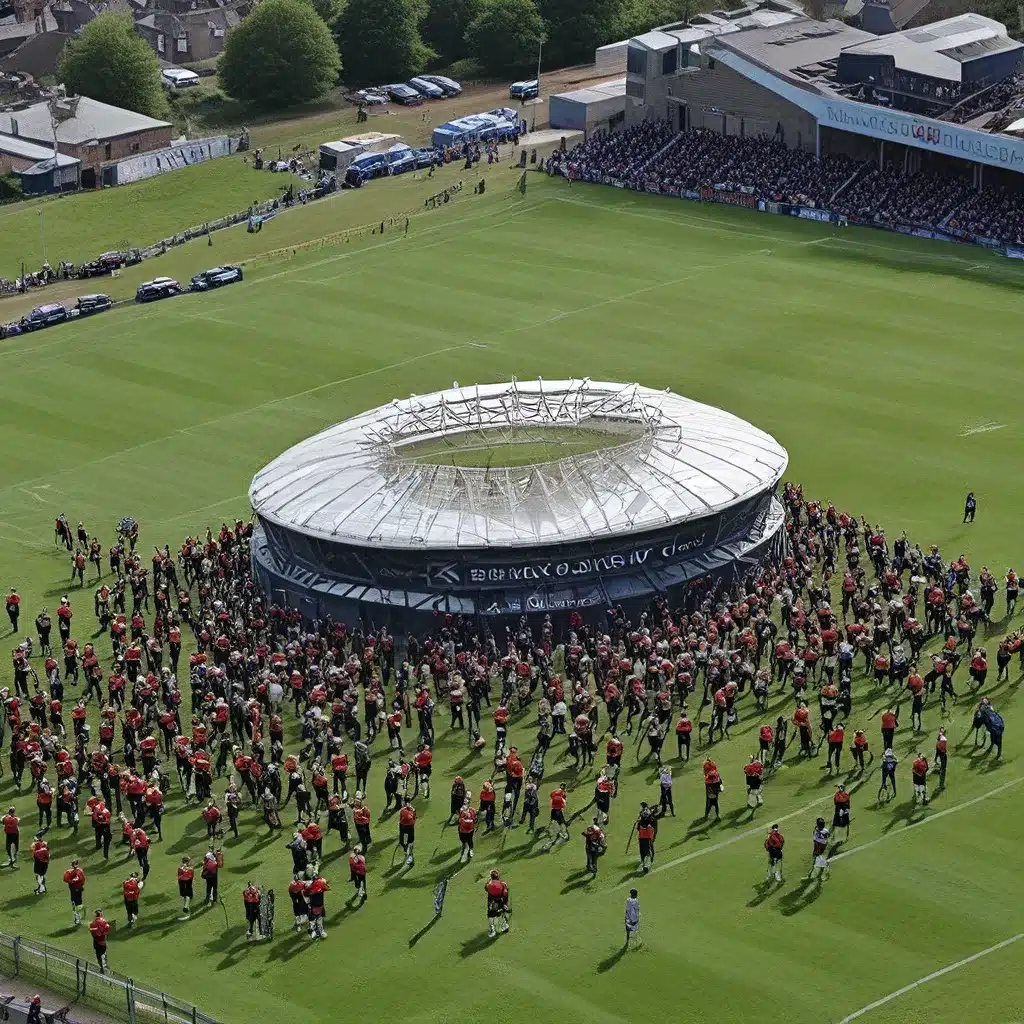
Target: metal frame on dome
point(356, 483)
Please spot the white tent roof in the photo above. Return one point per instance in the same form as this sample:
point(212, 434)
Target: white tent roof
point(672, 460)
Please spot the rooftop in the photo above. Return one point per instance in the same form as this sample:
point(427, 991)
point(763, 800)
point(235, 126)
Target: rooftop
point(596, 93)
point(90, 121)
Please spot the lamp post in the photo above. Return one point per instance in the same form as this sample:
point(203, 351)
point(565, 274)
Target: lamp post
point(540, 51)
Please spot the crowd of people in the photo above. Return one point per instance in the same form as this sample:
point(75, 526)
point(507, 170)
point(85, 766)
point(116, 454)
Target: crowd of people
point(767, 169)
point(270, 707)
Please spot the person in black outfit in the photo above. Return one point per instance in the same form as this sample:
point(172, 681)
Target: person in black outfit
point(970, 507)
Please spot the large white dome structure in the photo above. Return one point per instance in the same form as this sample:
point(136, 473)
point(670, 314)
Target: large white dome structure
point(513, 498)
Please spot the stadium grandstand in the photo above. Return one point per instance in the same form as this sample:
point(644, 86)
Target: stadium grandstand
point(920, 131)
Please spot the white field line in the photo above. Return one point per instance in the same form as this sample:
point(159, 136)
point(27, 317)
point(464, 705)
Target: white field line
point(931, 977)
point(982, 428)
point(895, 834)
point(762, 829)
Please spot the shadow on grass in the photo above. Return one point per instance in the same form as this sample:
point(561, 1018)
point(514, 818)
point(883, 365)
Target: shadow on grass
point(801, 897)
point(610, 961)
point(423, 931)
point(472, 946)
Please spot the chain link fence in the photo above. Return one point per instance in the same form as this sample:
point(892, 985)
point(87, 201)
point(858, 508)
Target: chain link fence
point(80, 981)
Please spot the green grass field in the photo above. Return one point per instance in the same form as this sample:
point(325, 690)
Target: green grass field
point(890, 369)
point(521, 447)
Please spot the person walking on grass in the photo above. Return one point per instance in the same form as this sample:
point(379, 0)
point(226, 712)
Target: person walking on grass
point(632, 918)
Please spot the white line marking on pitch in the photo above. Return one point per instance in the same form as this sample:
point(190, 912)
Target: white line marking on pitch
point(982, 428)
point(761, 829)
point(931, 977)
point(705, 850)
point(931, 817)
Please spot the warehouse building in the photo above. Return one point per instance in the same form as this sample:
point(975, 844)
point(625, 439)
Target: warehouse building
point(597, 108)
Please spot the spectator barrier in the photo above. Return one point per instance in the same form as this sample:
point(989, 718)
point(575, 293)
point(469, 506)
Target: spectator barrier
point(111, 993)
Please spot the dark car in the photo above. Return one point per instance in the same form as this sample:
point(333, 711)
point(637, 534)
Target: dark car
point(158, 288)
point(89, 304)
point(215, 278)
point(45, 316)
point(447, 85)
point(403, 94)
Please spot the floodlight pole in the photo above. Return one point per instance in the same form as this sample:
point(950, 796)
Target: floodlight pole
point(540, 50)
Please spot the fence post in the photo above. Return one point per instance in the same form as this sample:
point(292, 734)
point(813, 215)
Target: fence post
point(82, 974)
point(16, 950)
point(129, 991)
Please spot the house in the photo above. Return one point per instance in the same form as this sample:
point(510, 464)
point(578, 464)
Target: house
point(185, 33)
point(36, 56)
point(31, 21)
point(40, 171)
point(95, 133)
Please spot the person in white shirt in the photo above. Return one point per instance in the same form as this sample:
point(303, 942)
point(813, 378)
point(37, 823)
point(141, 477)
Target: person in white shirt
point(633, 916)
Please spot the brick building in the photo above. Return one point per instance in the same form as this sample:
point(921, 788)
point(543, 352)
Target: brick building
point(95, 133)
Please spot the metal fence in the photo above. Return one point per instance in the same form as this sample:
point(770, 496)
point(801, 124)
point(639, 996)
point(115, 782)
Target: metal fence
point(80, 980)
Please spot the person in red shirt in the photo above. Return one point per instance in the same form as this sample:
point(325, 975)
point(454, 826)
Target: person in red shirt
point(774, 843)
point(74, 879)
point(684, 729)
point(423, 762)
point(99, 927)
point(889, 723)
point(467, 829)
point(559, 798)
point(13, 609)
point(859, 748)
point(186, 873)
point(613, 752)
point(131, 888)
point(497, 903)
point(140, 847)
point(251, 899)
point(12, 835)
point(361, 818)
point(753, 774)
point(836, 739)
point(317, 912)
point(407, 830)
point(211, 815)
point(40, 863)
point(919, 770)
point(841, 810)
point(357, 871)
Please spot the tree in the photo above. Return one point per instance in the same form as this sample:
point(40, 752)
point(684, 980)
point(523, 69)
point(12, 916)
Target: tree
point(330, 10)
point(282, 54)
point(380, 41)
point(576, 29)
point(505, 35)
point(110, 63)
point(444, 27)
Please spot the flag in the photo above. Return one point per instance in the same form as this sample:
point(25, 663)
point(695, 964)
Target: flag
point(439, 893)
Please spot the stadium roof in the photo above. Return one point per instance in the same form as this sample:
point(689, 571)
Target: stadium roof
point(782, 48)
point(669, 460)
point(938, 50)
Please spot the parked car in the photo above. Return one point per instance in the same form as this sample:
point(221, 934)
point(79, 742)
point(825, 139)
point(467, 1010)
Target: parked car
point(401, 159)
point(524, 90)
point(178, 78)
point(403, 94)
point(215, 278)
point(366, 167)
point(448, 85)
point(45, 316)
point(158, 288)
point(369, 97)
point(426, 157)
point(89, 304)
point(426, 88)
